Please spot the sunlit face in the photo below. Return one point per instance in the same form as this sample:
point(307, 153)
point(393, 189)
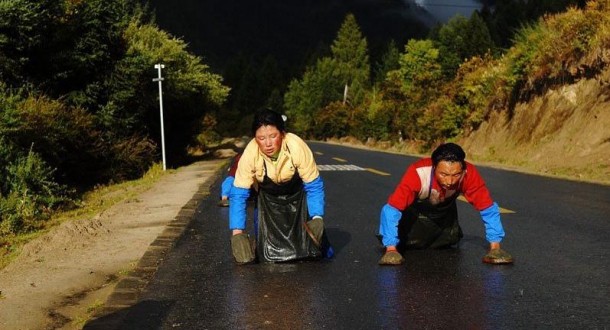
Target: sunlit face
point(269, 140)
point(448, 174)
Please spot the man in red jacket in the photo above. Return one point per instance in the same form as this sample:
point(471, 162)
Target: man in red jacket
point(422, 211)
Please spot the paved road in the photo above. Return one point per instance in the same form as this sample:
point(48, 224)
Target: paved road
point(556, 229)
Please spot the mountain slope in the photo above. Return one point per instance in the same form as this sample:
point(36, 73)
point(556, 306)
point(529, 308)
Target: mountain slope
point(564, 132)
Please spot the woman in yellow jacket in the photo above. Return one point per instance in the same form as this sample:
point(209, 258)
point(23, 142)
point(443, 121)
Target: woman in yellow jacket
point(290, 202)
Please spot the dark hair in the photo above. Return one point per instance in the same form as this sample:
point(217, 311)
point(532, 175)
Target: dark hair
point(267, 117)
point(450, 152)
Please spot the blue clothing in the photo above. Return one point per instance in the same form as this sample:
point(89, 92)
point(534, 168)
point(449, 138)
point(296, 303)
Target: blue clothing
point(315, 197)
point(388, 229)
point(494, 232)
point(237, 207)
point(227, 183)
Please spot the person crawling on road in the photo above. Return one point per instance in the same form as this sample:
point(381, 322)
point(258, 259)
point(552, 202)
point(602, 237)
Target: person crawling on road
point(422, 213)
point(290, 197)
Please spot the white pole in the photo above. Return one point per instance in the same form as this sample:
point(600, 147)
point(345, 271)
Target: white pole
point(159, 79)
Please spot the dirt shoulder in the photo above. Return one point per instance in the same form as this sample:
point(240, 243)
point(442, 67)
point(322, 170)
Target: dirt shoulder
point(60, 278)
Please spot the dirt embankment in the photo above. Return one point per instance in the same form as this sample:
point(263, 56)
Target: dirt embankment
point(565, 132)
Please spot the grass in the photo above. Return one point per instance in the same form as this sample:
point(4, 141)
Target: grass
point(92, 203)
point(79, 322)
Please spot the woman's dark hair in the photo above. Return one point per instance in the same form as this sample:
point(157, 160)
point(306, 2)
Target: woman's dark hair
point(267, 117)
point(449, 152)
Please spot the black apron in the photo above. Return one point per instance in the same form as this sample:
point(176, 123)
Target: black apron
point(426, 225)
point(282, 214)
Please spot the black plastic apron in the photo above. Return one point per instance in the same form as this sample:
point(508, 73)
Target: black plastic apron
point(426, 225)
point(282, 213)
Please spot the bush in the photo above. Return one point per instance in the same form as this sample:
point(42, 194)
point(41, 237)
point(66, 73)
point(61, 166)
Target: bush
point(31, 195)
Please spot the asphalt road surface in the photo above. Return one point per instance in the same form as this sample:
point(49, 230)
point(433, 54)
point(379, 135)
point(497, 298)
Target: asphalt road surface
point(557, 230)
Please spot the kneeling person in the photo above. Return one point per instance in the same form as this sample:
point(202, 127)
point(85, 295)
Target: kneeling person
point(422, 211)
point(290, 195)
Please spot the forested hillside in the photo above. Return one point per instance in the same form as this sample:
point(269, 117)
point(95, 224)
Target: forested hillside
point(78, 106)
point(259, 46)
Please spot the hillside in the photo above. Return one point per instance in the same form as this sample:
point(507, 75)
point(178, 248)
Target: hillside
point(565, 132)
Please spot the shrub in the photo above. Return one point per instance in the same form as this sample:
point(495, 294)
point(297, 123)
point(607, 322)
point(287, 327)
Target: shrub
point(31, 194)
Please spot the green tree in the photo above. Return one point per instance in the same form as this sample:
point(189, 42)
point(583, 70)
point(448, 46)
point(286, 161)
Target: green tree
point(305, 97)
point(27, 31)
point(350, 54)
point(460, 39)
point(420, 69)
point(326, 81)
point(190, 92)
point(388, 62)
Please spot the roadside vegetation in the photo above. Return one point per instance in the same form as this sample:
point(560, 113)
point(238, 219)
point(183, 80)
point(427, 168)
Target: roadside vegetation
point(79, 109)
point(443, 87)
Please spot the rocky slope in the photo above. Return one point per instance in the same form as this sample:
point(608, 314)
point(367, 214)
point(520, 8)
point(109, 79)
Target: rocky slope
point(565, 132)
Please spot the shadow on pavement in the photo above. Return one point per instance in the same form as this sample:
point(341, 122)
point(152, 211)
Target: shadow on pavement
point(147, 314)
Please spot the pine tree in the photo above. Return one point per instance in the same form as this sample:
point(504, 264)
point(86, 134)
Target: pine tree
point(350, 54)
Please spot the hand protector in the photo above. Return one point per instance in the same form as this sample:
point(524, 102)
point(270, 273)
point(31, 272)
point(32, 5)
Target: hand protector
point(498, 256)
point(392, 257)
point(315, 229)
point(243, 248)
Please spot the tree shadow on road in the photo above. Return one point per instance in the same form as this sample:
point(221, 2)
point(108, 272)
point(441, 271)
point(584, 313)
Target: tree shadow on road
point(147, 314)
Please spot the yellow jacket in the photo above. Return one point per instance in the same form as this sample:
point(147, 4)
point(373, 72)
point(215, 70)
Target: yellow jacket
point(294, 155)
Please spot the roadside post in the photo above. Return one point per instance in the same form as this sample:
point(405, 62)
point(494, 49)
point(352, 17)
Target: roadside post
point(160, 80)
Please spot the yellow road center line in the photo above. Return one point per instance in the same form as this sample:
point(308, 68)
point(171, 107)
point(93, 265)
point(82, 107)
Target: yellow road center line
point(372, 170)
point(502, 210)
point(340, 159)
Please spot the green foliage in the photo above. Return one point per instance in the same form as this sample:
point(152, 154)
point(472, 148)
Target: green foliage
point(190, 89)
point(326, 82)
point(65, 137)
point(28, 193)
point(482, 84)
point(561, 48)
point(77, 103)
point(26, 30)
point(420, 70)
point(318, 87)
point(351, 59)
point(460, 39)
point(332, 120)
point(388, 62)
point(508, 16)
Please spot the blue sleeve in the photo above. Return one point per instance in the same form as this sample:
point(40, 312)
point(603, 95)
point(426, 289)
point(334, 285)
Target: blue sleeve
point(225, 188)
point(388, 225)
point(237, 207)
point(493, 226)
point(315, 197)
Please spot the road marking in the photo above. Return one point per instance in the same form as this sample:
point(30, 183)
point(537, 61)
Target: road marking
point(319, 153)
point(502, 210)
point(348, 167)
point(372, 170)
point(340, 160)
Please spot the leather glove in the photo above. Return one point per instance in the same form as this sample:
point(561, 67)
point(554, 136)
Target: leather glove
point(498, 256)
point(315, 229)
point(243, 248)
point(392, 257)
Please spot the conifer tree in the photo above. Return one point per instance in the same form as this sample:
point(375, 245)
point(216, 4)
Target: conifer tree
point(326, 81)
point(350, 54)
